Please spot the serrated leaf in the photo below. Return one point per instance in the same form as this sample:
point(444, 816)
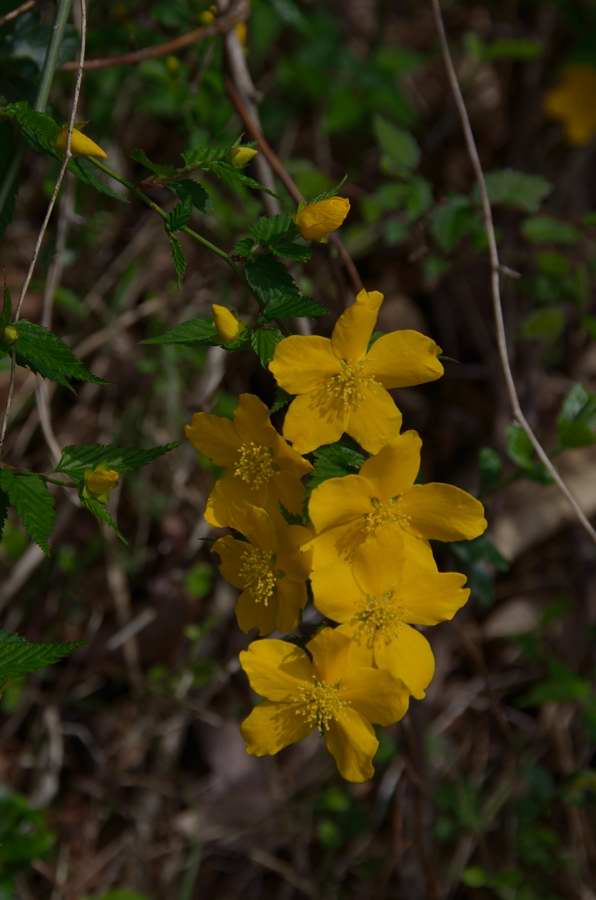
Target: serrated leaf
point(264, 341)
point(233, 177)
point(19, 657)
point(162, 171)
point(243, 247)
point(178, 257)
point(289, 249)
point(179, 216)
point(203, 156)
point(98, 509)
point(277, 291)
point(521, 452)
point(331, 192)
point(284, 307)
point(39, 129)
point(576, 424)
point(87, 172)
point(33, 503)
point(46, 354)
point(517, 190)
point(76, 459)
point(194, 331)
point(334, 461)
point(266, 229)
point(192, 190)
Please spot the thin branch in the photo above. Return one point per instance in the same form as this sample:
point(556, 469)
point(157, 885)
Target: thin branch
point(496, 270)
point(18, 11)
point(220, 26)
point(290, 185)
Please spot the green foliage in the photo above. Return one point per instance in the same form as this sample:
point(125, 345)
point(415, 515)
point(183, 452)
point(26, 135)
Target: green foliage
point(517, 190)
point(194, 331)
point(547, 230)
point(544, 324)
point(453, 220)
point(400, 151)
point(521, 452)
point(101, 513)
point(39, 129)
point(77, 459)
point(33, 503)
point(277, 291)
point(481, 561)
point(180, 215)
point(576, 425)
point(491, 468)
point(264, 341)
point(24, 837)
point(178, 257)
point(333, 461)
point(19, 657)
point(45, 353)
point(187, 189)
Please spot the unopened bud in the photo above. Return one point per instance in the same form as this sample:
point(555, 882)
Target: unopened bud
point(241, 156)
point(227, 324)
point(80, 144)
point(11, 334)
point(100, 481)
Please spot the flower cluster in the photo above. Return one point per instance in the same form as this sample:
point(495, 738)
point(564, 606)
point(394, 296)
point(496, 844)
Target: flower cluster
point(361, 552)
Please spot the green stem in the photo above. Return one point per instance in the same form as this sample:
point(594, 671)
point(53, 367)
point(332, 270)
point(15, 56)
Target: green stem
point(43, 92)
point(161, 212)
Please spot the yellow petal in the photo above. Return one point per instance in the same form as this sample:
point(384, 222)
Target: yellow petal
point(255, 524)
point(407, 657)
point(316, 220)
point(271, 727)
point(378, 564)
point(241, 156)
point(80, 144)
point(288, 459)
point(443, 512)
point(250, 614)
point(403, 358)
point(290, 492)
point(228, 325)
point(376, 695)
point(276, 669)
point(301, 363)
point(230, 553)
point(335, 592)
point(291, 599)
point(331, 653)
point(428, 598)
point(352, 743)
point(393, 470)
point(336, 545)
point(339, 500)
point(310, 423)
point(214, 436)
point(355, 326)
point(230, 492)
point(376, 420)
point(251, 419)
point(291, 559)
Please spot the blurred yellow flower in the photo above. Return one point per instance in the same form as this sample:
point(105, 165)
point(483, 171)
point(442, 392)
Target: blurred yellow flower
point(100, 481)
point(207, 17)
point(227, 324)
point(241, 32)
point(11, 334)
point(268, 568)
point(382, 500)
point(241, 156)
point(572, 102)
point(332, 690)
point(380, 597)
point(80, 144)
point(316, 220)
point(342, 385)
point(260, 467)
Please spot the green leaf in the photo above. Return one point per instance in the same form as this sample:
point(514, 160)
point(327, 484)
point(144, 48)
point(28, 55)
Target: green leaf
point(265, 230)
point(19, 657)
point(87, 172)
point(546, 230)
point(161, 171)
point(243, 247)
point(43, 352)
point(289, 249)
point(178, 257)
point(452, 221)
point(99, 510)
point(544, 324)
point(332, 192)
point(264, 341)
point(576, 425)
point(33, 503)
point(491, 467)
point(202, 157)
point(521, 452)
point(282, 398)
point(179, 217)
point(76, 459)
point(277, 291)
point(192, 190)
point(401, 152)
point(334, 461)
point(39, 130)
point(194, 331)
point(234, 177)
point(518, 190)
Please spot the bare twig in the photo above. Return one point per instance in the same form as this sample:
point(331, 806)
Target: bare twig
point(17, 11)
point(220, 26)
point(496, 271)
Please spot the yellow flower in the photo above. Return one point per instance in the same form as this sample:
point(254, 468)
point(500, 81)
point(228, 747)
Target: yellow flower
point(11, 335)
point(261, 468)
point(316, 220)
point(334, 691)
point(342, 386)
point(207, 17)
point(572, 102)
point(380, 596)
point(227, 324)
point(80, 144)
point(383, 500)
point(241, 156)
point(100, 481)
point(268, 568)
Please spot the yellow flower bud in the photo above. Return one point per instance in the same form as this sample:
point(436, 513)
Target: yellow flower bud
point(80, 144)
point(172, 64)
point(100, 481)
point(10, 334)
point(241, 156)
point(316, 220)
point(207, 17)
point(241, 32)
point(227, 324)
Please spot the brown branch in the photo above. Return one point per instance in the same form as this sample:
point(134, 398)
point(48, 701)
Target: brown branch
point(288, 182)
point(15, 13)
point(220, 26)
point(496, 270)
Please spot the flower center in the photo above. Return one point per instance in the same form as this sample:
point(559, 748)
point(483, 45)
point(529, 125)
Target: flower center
point(257, 574)
point(319, 703)
point(347, 387)
point(254, 464)
point(383, 514)
point(378, 616)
